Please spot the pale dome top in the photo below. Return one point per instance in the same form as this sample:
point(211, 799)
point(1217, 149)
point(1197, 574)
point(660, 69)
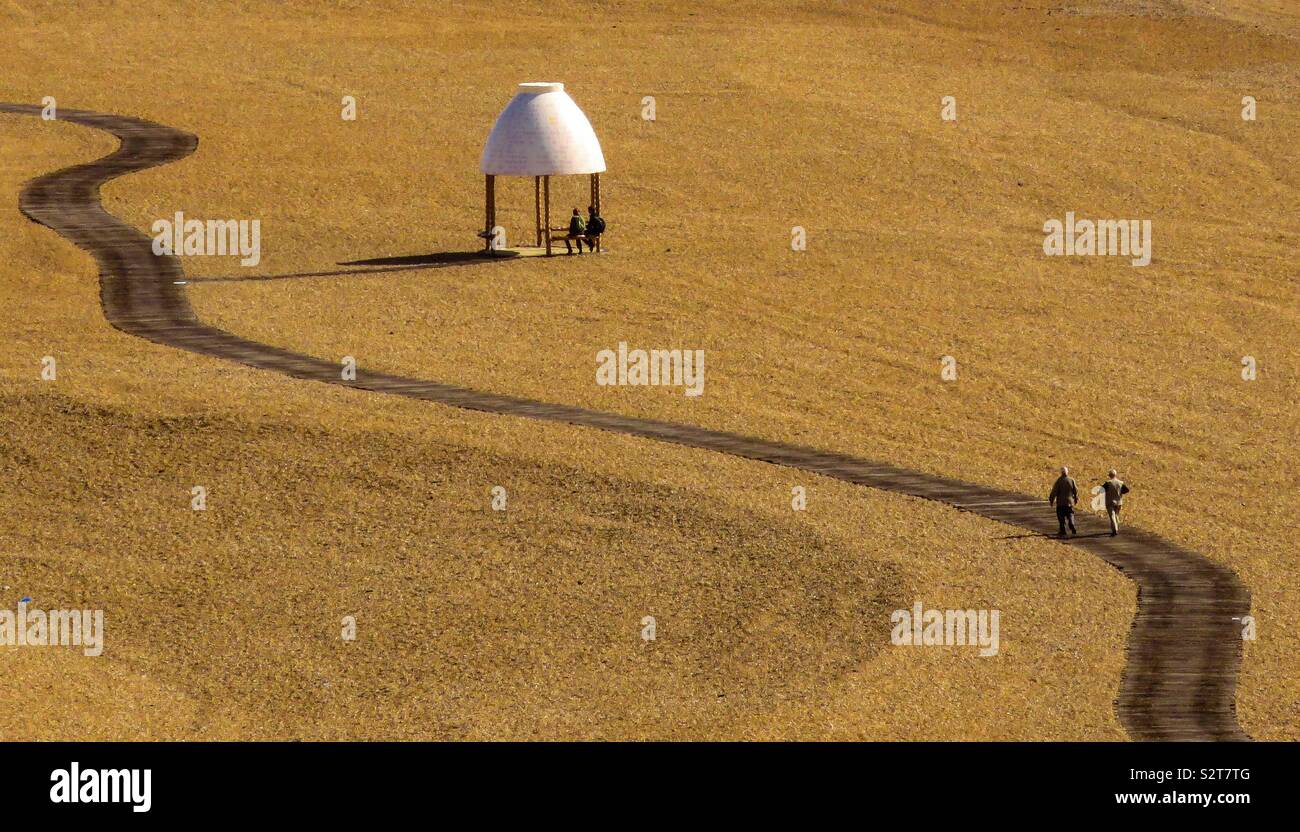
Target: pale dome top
point(541, 132)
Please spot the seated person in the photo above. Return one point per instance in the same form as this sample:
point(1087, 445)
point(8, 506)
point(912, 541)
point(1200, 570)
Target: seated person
point(577, 231)
point(595, 227)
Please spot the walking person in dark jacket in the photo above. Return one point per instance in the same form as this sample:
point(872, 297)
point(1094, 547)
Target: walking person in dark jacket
point(1064, 495)
point(1115, 490)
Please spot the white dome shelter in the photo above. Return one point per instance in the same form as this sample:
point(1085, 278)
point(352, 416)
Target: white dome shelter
point(541, 133)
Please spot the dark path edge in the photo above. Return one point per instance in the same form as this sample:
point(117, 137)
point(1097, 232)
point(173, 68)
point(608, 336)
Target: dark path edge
point(1183, 650)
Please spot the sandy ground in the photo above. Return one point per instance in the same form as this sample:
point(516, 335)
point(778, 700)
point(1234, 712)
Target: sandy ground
point(924, 241)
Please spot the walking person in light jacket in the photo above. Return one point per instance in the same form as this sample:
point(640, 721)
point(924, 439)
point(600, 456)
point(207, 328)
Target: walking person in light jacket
point(1115, 490)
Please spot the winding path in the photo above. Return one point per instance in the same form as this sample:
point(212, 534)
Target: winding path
point(1185, 645)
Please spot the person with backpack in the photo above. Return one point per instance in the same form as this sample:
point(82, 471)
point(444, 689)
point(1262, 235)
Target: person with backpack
point(577, 231)
point(595, 227)
point(1115, 490)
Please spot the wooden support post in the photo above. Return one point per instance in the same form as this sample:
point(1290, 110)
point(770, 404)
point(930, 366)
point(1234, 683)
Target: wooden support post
point(537, 204)
point(490, 210)
point(546, 196)
point(595, 193)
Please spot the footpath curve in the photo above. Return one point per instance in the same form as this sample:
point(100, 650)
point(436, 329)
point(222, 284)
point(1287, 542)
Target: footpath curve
point(1184, 648)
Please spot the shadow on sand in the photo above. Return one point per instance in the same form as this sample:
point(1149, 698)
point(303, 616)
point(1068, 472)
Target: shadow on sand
point(438, 258)
point(408, 262)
